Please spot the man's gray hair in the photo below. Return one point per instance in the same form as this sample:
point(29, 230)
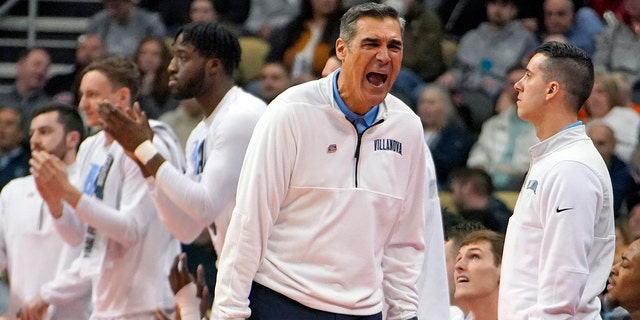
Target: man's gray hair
point(369, 9)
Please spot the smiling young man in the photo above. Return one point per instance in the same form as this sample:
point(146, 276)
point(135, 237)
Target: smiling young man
point(330, 215)
point(560, 240)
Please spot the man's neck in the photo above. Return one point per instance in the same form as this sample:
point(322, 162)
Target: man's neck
point(210, 100)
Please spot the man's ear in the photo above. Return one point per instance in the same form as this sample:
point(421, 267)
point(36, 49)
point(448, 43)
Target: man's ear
point(72, 139)
point(212, 66)
point(341, 49)
point(124, 96)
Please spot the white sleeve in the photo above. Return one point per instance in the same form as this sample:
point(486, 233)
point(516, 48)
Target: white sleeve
point(264, 182)
point(433, 292)
point(67, 286)
point(404, 254)
point(567, 238)
point(69, 227)
point(197, 204)
point(127, 224)
point(3, 225)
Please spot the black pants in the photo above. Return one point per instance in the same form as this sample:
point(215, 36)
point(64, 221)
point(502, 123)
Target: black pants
point(267, 304)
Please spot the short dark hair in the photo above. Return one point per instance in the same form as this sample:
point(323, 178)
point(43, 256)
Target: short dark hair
point(458, 232)
point(212, 40)
point(495, 239)
point(68, 116)
point(480, 180)
point(571, 67)
point(368, 9)
point(121, 72)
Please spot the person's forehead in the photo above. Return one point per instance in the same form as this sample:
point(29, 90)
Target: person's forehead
point(9, 113)
point(633, 252)
point(371, 26)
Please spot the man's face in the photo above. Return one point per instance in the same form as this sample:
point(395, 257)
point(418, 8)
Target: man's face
point(500, 14)
point(558, 16)
point(604, 140)
point(96, 88)
point(47, 134)
point(632, 7)
point(149, 58)
point(118, 9)
point(624, 281)
point(273, 81)
point(10, 131)
point(371, 62)
point(598, 104)
point(202, 11)
point(90, 49)
point(513, 77)
point(33, 70)
point(634, 221)
point(531, 89)
point(458, 194)
point(476, 274)
point(431, 108)
point(187, 69)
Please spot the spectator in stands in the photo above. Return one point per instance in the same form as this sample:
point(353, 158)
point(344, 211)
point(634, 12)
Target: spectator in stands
point(472, 194)
point(268, 15)
point(202, 11)
point(152, 58)
point(447, 138)
point(502, 148)
point(477, 274)
point(509, 95)
point(605, 104)
point(27, 93)
point(486, 53)
point(422, 59)
point(64, 87)
point(305, 42)
point(453, 237)
point(578, 26)
point(14, 155)
point(274, 79)
point(602, 6)
point(461, 16)
point(624, 282)
point(618, 44)
point(423, 35)
point(122, 26)
point(183, 119)
point(633, 217)
point(605, 141)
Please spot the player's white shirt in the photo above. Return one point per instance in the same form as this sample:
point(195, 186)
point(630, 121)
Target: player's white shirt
point(32, 251)
point(204, 195)
point(132, 251)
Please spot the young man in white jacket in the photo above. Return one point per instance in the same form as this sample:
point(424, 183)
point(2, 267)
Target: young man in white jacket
point(31, 250)
point(560, 240)
point(330, 214)
point(127, 251)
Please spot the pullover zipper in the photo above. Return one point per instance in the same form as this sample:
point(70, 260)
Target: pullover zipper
point(357, 153)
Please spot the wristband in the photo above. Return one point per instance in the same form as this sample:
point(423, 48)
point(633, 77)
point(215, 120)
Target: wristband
point(145, 151)
point(188, 302)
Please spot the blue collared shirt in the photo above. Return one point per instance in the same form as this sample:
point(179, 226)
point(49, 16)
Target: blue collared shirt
point(361, 122)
